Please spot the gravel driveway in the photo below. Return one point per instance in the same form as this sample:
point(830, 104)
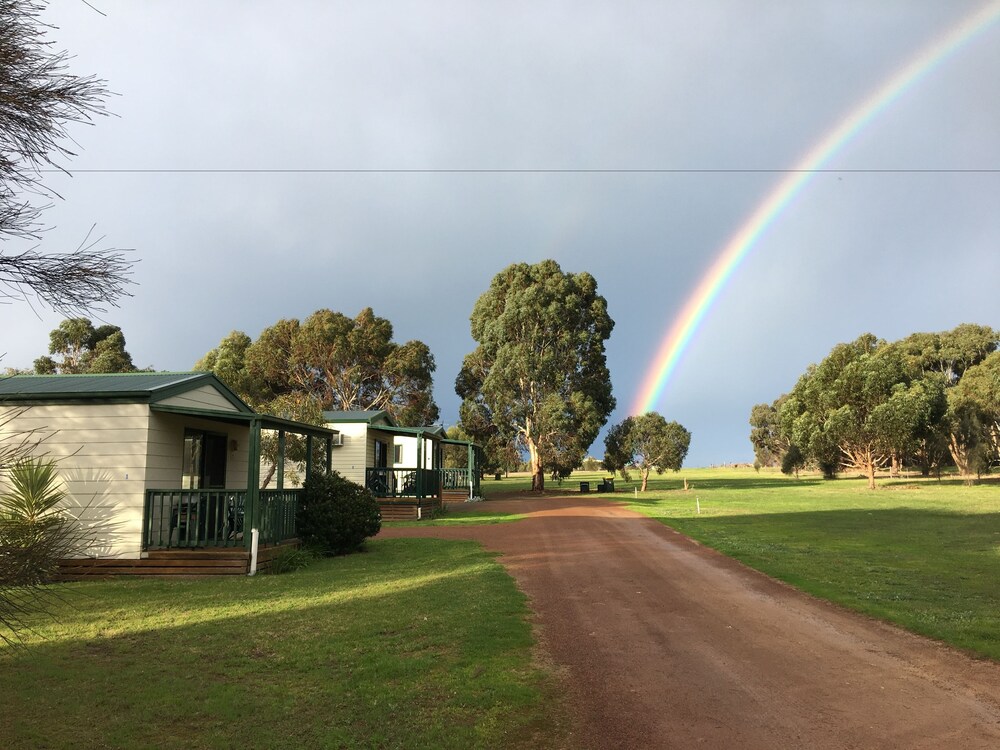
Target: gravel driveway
point(667, 644)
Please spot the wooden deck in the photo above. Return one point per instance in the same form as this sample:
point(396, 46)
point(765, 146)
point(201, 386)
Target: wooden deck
point(174, 562)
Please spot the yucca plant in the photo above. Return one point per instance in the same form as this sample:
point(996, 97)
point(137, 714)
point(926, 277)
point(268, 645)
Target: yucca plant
point(35, 533)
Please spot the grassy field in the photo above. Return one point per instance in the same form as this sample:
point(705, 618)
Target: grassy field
point(413, 644)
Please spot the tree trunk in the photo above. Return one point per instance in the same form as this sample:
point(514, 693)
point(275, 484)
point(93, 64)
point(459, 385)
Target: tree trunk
point(870, 468)
point(645, 476)
point(960, 455)
point(537, 470)
point(268, 477)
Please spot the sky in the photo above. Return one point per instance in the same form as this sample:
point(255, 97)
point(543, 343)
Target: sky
point(265, 160)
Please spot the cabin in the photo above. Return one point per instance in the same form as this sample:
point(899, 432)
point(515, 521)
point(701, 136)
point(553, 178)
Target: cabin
point(161, 469)
point(403, 466)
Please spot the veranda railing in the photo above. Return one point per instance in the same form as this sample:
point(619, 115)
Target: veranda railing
point(403, 482)
point(214, 518)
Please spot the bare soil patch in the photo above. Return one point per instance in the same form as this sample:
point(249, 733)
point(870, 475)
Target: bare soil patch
point(668, 644)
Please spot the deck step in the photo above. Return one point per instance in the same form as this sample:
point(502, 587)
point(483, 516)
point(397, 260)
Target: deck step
point(174, 562)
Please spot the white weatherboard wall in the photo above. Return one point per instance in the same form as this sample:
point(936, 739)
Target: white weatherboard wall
point(108, 455)
point(354, 455)
point(205, 397)
point(100, 452)
point(408, 452)
point(166, 450)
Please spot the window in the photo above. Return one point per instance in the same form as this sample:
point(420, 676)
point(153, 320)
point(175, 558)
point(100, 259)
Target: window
point(204, 462)
point(397, 454)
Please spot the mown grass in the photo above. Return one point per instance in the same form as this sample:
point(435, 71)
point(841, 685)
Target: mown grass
point(413, 644)
point(922, 553)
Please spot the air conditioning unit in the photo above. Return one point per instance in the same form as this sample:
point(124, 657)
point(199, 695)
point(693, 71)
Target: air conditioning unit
point(338, 440)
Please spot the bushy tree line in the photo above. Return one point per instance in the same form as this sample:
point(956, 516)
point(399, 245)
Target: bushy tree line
point(928, 400)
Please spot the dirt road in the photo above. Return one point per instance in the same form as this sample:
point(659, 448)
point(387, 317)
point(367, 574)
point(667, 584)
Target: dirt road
point(667, 644)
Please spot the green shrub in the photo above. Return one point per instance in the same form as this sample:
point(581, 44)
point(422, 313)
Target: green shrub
point(336, 515)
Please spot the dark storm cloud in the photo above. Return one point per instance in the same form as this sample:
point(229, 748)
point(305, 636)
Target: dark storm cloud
point(534, 86)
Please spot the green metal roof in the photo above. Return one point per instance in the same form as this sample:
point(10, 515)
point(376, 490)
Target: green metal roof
point(366, 417)
point(435, 430)
point(128, 386)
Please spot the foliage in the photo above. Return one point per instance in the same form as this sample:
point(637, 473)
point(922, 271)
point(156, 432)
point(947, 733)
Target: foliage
point(341, 363)
point(85, 349)
point(862, 404)
point(35, 534)
point(617, 451)
point(327, 362)
point(290, 559)
point(793, 461)
point(872, 403)
point(974, 414)
point(538, 376)
point(38, 99)
point(648, 442)
point(336, 515)
point(769, 444)
point(962, 429)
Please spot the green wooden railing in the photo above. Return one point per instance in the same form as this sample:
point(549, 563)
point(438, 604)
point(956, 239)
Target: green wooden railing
point(277, 519)
point(214, 518)
point(385, 482)
point(455, 479)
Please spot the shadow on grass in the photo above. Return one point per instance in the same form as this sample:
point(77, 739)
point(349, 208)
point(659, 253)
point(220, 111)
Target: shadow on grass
point(442, 664)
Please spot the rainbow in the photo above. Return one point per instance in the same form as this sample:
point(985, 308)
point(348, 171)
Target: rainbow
point(700, 301)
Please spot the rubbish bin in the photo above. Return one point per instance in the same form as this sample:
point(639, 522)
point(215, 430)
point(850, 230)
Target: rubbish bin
point(584, 486)
point(609, 484)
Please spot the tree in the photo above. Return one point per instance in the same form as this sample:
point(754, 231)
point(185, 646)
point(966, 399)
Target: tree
point(862, 402)
point(497, 456)
point(793, 461)
point(539, 373)
point(769, 444)
point(617, 451)
point(339, 362)
point(328, 362)
point(85, 349)
point(974, 417)
point(648, 442)
point(952, 354)
point(38, 99)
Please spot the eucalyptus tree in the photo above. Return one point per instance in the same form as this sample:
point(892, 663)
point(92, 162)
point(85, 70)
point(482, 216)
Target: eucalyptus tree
point(340, 363)
point(862, 405)
point(649, 442)
point(952, 354)
point(539, 372)
point(769, 443)
point(298, 370)
point(974, 417)
point(82, 349)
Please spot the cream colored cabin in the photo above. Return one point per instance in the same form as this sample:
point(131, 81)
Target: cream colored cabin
point(151, 460)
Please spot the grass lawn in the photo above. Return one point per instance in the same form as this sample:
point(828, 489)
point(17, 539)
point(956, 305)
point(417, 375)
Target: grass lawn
point(918, 552)
point(413, 644)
